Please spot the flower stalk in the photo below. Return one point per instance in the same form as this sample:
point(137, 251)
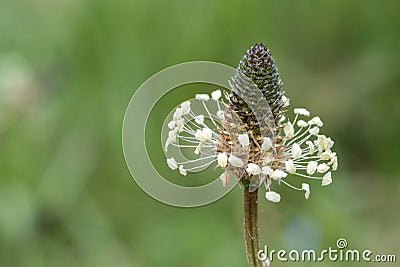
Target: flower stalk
point(251, 236)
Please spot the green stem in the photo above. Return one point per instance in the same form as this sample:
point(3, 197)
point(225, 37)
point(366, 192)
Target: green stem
point(251, 226)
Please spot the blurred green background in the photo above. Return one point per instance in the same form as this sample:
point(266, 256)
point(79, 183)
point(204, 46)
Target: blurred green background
point(68, 69)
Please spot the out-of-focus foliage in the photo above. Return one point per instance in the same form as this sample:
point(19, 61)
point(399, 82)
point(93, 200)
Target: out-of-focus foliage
point(68, 69)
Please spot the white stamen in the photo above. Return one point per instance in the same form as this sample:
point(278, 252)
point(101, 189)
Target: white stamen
point(235, 161)
point(310, 147)
point(253, 169)
point(317, 121)
point(290, 168)
point(172, 135)
point(182, 170)
point(286, 101)
point(273, 196)
point(180, 124)
point(312, 167)
point(203, 135)
point(266, 170)
point(171, 124)
point(302, 111)
point(335, 164)
point(178, 114)
point(221, 115)
point(322, 168)
point(296, 151)
point(306, 187)
point(186, 107)
point(267, 144)
point(327, 179)
point(216, 95)
point(302, 124)
point(278, 174)
point(202, 97)
point(172, 163)
point(289, 130)
point(326, 155)
point(222, 159)
point(244, 140)
point(224, 179)
point(323, 142)
point(199, 119)
point(314, 130)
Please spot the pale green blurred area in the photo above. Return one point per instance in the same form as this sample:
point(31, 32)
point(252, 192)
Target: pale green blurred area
point(68, 69)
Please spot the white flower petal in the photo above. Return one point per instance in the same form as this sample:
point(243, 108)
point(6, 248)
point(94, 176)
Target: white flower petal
point(306, 187)
point(322, 168)
point(312, 167)
point(222, 159)
point(327, 179)
point(244, 140)
point(302, 111)
point(172, 163)
point(235, 161)
point(202, 97)
point(273, 196)
point(267, 144)
point(290, 168)
point(216, 94)
point(253, 169)
point(296, 151)
point(182, 170)
point(278, 174)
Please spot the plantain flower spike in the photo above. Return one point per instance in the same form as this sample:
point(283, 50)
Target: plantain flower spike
point(249, 135)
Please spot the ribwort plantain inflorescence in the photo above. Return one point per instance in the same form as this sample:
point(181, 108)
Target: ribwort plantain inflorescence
point(248, 133)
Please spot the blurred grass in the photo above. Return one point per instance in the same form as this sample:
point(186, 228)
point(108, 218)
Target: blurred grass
point(68, 69)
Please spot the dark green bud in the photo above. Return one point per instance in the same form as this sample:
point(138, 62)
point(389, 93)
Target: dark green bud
point(258, 66)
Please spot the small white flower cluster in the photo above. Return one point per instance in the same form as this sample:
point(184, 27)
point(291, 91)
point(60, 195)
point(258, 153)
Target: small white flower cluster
point(303, 151)
point(192, 129)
